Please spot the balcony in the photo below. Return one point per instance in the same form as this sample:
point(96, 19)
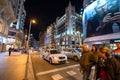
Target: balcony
point(8, 9)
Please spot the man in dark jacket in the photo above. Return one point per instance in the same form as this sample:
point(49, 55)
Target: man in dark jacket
point(10, 49)
point(109, 64)
point(86, 61)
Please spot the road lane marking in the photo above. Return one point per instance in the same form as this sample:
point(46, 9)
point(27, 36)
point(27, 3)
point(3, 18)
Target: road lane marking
point(40, 55)
point(55, 70)
point(57, 77)
point(35, 56)
point(71, 73)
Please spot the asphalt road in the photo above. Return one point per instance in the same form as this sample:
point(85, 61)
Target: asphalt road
point(45, 71)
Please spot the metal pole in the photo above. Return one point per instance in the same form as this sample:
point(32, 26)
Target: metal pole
point(79, 39)
point(29, 35)
point(79, 42)
point(27, 63)
point(65, 37)
point(76, 41)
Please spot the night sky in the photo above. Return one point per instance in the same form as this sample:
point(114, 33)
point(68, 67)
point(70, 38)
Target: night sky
point(45, 12)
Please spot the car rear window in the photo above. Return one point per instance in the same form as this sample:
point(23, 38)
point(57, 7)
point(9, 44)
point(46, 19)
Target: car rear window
point(54, 52)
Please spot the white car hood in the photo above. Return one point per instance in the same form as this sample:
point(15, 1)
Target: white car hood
point(57, 55)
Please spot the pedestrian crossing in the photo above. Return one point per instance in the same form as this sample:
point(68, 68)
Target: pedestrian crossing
point(57, 77)
point(71, 73)
point(68, 74)
point(63, 73)
point(57, 69)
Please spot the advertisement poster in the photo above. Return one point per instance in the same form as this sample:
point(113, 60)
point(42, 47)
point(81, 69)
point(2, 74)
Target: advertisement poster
point(101, 17)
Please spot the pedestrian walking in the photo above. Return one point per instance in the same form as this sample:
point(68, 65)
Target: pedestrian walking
point(116, 52)
point(10, 49)
point(93, 72)
point(86, 61)
point(108, 67)
point(94, 50)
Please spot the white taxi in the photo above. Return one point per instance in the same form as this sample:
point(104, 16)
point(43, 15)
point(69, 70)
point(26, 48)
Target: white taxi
point(54, 56)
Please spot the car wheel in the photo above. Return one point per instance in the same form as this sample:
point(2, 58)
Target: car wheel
point(43, 57)
point(65, 62)
point(50, 60)
point(75, 58)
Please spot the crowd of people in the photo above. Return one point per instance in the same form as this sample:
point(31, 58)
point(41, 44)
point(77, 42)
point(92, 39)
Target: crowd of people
point(100, 63)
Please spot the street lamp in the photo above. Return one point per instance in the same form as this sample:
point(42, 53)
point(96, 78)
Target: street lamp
point(31, 21)
point(79, 41)
point(27, 63)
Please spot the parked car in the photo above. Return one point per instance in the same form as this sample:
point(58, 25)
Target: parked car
point(54, 56)
point(73, 53)
point(16, 52)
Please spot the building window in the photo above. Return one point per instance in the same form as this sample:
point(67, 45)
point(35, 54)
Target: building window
point(61, 28)
point(74, 33)
point(73, 29)
point(19, 7)
point(12, 33)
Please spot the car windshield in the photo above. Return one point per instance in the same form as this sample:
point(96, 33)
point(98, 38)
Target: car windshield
point(54, 52)
point(76, 50)
point(68, 50)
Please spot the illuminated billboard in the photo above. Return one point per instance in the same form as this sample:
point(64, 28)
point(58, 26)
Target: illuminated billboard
point(101, 17)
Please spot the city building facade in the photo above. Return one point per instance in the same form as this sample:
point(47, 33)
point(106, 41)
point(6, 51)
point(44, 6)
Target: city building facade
point(16, 28)
point(50, 36)
point(42, 40)
point(68, 29)
point(101, 22)
point(6, 17)
point(11, 11)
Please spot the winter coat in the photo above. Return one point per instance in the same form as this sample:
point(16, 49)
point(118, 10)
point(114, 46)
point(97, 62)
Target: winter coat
point(112, 68)
point(95, 54)
point(86, 60)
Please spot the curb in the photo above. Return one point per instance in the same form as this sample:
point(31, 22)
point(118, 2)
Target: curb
point(31, 74)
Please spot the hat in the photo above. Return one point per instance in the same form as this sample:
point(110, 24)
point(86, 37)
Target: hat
point(84, 45)
point(105, 50)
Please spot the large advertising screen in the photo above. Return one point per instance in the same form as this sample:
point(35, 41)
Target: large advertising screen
point(101, 17)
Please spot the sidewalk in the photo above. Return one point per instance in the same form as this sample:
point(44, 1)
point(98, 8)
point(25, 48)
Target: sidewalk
point(13, 67)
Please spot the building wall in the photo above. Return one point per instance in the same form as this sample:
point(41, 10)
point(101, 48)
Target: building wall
point(19, 23)
point(8, 15)
point(66, 28)
point(42, 40)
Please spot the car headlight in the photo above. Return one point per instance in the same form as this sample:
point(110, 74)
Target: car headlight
point(80, 54)
point(55, 57)
point(65, 56)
